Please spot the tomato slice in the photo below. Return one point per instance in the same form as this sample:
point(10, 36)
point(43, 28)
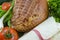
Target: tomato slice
point(1, 36)
point(6, 5)
point(10, 32)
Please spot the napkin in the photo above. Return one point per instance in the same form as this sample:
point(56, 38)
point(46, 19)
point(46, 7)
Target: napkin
point(43, 31)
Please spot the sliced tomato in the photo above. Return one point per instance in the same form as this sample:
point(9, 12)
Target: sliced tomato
point(6, 5)
point(10, 33)
point(1, 36)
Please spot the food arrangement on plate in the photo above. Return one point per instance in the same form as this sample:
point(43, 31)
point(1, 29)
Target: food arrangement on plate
point(20, 16)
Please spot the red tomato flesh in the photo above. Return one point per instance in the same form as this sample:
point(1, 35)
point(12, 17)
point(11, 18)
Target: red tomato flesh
point(1, 36)
point(12, 32)
point(6, 5)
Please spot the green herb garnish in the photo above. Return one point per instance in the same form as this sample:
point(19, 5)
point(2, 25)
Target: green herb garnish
point(54, 9)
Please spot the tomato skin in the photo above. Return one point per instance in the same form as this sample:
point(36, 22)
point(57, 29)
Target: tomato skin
point(6, 6)
point(1, 36)
point(12, 31)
